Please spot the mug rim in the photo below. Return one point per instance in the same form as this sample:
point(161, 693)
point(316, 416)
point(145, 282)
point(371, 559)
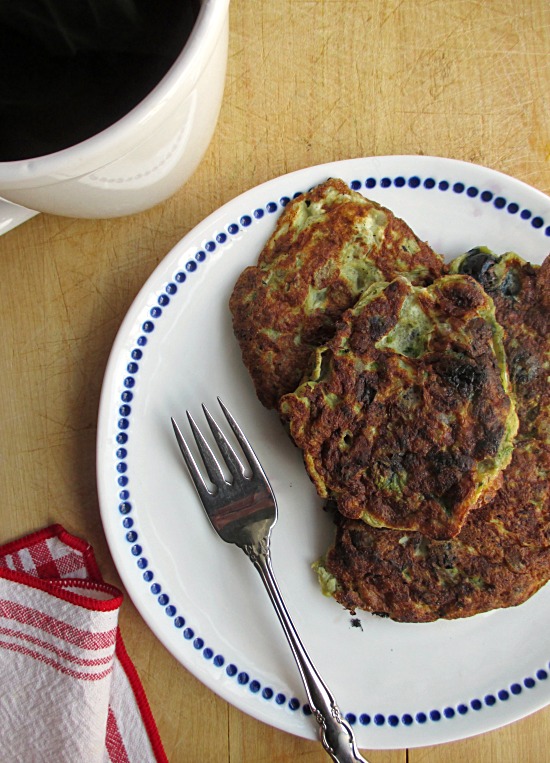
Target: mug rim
point(205, 31)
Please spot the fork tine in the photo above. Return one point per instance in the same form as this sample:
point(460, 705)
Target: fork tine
point(194, 471)
point(209, 459)
point(231, 458)
point(252, 458)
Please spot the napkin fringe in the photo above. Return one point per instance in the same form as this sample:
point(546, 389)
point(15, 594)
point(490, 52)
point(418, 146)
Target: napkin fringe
point(58, 588)
point(142, 701)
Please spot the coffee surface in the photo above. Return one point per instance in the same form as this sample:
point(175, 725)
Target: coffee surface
point(71, 68)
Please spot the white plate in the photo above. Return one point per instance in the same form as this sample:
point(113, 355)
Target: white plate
point(401, 685)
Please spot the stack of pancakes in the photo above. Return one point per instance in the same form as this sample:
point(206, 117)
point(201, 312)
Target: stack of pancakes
point(418, 394)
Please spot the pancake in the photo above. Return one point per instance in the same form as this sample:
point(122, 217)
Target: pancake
point(521, 294)
point(329, 245)
point(406, 420)
point(501, 557)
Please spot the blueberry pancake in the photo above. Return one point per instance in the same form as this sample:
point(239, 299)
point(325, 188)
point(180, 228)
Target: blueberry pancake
point(501, 557)
point(406, 419)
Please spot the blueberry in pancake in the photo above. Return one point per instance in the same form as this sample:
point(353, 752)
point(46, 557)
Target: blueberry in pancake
point(521, 294)
point(329, 245)
point(406, 420)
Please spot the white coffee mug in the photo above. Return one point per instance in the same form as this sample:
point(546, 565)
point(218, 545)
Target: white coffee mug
point(143, 158)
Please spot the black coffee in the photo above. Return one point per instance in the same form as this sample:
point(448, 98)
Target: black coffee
point(71, 68)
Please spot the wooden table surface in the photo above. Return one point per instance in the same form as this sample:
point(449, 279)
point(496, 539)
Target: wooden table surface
point(308, 81)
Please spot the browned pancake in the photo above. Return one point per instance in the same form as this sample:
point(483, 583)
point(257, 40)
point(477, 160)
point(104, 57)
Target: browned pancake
point(501, 557)
point(329, 245)
point(406, 420)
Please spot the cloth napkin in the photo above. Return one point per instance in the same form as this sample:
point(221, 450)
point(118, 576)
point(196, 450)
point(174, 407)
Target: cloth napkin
point(69, 691)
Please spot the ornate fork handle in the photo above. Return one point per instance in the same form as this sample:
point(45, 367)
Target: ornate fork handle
point(336, 734)
point(242, 511)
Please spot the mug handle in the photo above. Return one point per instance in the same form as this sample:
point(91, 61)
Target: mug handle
point(12, 215)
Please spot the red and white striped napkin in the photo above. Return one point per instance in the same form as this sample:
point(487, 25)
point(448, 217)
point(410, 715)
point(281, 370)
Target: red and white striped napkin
point(69, 690)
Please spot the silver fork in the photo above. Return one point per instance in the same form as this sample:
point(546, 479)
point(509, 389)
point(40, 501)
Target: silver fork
point(243, 510)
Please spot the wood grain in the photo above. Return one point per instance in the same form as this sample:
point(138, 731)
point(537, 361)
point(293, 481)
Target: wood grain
point(308, 81)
